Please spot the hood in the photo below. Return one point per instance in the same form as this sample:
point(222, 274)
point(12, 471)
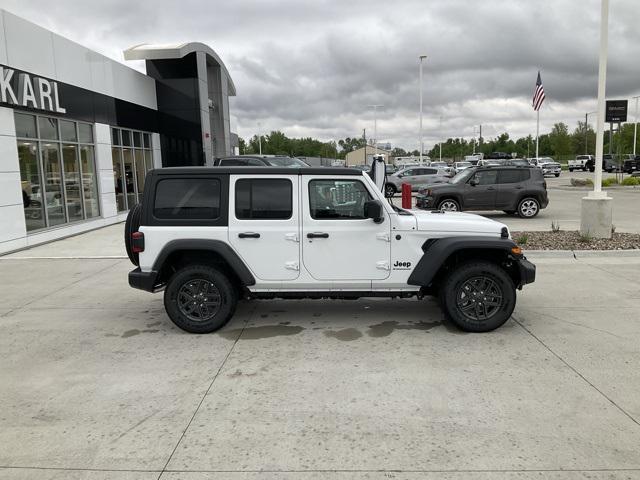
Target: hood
point(456, 222)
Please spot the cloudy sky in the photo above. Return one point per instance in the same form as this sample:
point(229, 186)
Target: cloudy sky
point(311, 68)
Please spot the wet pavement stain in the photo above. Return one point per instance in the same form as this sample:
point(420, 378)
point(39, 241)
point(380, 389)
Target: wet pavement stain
point(385, 329)
point(154, 324)
point(345, 335)
point(265, 331)
point(135, 331)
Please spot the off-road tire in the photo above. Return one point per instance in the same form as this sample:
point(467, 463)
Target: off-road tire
point(528, 207)
point(131, 225)
point(188, 279)
point(449, 201)
point(456, 297)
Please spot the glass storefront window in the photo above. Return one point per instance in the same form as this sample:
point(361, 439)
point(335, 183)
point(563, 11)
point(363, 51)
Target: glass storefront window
point(58, 180)
point(73, 194)
point(130, 166)
point(86, 132)
point(48, 128)
point(141, 173)
point(68, 131)
point(115, 136)
point(126, 138)
point(89, 181)
point(26, 125)
point(129, 176)
point(116, 156)
point(30, 183)
point(54, 200)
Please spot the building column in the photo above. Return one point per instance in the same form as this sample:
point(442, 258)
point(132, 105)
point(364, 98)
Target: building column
point(156, 150)
point(104, 170)
point(13, 234)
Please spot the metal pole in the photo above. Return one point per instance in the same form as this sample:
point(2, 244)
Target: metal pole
point(537, 131)
point(586, 132)
point(602, 81)
point(610, 138)
point(635, 127)
point(422, 57)
point(440, 137)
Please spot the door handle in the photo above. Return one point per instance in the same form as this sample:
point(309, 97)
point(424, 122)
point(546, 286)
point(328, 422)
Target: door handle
point(317, 235)
point(248, 235)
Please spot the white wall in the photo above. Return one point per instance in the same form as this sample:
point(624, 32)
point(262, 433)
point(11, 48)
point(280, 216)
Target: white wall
point(27, 46)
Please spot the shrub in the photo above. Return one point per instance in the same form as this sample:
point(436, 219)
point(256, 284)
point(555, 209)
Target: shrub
point(631, 181)
point(585, 237)
point(555, 226)
point(607, 182)
point(522, 239)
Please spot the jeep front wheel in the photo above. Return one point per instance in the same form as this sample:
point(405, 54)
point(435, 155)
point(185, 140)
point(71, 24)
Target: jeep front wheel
point(199, 299)
point(449, 205)
point(478, 296)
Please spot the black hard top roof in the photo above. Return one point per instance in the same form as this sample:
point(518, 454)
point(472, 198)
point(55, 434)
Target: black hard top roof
point(258, 171)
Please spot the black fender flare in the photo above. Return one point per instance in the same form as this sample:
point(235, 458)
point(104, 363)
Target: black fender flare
point(217, 246)
point(438, 250)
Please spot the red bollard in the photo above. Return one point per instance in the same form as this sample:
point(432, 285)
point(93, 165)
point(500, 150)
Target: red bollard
point(406, 196)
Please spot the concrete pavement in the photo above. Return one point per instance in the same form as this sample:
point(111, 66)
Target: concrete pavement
point(97, 383)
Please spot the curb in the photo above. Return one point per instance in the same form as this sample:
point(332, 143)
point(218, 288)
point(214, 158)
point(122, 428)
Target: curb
point(578, 254)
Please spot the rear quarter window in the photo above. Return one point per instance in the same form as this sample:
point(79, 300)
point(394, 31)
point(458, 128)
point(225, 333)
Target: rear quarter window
point(187, 198)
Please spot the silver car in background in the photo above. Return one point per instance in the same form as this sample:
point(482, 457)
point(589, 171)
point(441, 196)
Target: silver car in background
point(414, 176)
point(460, 166)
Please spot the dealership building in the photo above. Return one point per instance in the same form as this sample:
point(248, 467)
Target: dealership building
point(79, 131)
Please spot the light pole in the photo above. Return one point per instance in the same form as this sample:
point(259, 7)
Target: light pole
point(635, 126)
point(586, 130)
point(421, 57)
point(597, 210)
point(440, 144)
point(474, 139)
point(375, 124)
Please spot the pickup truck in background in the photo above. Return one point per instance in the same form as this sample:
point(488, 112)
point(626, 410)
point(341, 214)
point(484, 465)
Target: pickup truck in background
point(610, 163)
point(580, 163)
point(631, 163)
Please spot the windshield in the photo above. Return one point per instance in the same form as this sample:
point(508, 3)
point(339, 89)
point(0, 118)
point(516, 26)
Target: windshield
point(286, 162)
point(463, 176)
point(463, 164)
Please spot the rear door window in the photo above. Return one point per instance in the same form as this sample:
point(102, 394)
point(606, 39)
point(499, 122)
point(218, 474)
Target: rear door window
point(264, 199)
point(187, 198)
point(510, 176)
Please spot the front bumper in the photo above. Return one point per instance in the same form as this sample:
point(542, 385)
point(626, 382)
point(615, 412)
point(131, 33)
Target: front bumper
point(143, 280)
point(527, 272)
point(424, 201)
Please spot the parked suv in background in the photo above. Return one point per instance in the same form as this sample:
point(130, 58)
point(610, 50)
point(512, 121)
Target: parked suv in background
point(550, 168)
point(520, 190)
point(414, 176)
point(210, 237)
point(580, 163)
point(259, 161)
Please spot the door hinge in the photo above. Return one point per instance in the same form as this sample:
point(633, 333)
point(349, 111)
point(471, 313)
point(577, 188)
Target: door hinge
point(382, 265)
point(383, 236)
point(292, 237)
point(292, 266)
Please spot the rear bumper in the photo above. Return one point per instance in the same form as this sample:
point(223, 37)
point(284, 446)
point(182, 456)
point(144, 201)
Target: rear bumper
point(143, 280)
point(527, 272)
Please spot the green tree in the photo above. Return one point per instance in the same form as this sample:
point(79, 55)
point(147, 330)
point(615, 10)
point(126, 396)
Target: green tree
point(561, 142)
point(578, 140)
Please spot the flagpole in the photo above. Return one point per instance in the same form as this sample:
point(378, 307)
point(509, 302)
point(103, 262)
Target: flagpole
point(537, 131)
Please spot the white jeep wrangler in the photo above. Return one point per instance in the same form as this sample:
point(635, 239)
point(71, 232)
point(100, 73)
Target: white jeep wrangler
point(212, 236)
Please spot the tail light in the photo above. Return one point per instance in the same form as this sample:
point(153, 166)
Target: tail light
point(137, 242)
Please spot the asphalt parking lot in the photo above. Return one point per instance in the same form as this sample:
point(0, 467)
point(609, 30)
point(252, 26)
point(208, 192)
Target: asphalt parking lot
point(98, 384)
point(565, 204)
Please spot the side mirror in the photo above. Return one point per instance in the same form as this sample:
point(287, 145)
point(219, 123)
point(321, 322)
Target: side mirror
point(473, 182)
point(373, 209)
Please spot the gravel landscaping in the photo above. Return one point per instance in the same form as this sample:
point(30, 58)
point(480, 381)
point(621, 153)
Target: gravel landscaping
point(572, 240)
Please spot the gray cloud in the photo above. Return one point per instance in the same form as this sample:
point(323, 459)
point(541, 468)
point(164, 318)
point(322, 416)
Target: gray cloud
point(311, 68)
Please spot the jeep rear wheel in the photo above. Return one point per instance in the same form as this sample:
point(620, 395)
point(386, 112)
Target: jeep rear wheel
point(528, 207)
point(449, 205)
point(200, 299)
point(478, 296)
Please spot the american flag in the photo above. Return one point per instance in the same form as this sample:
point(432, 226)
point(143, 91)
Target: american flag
point(538, 94)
